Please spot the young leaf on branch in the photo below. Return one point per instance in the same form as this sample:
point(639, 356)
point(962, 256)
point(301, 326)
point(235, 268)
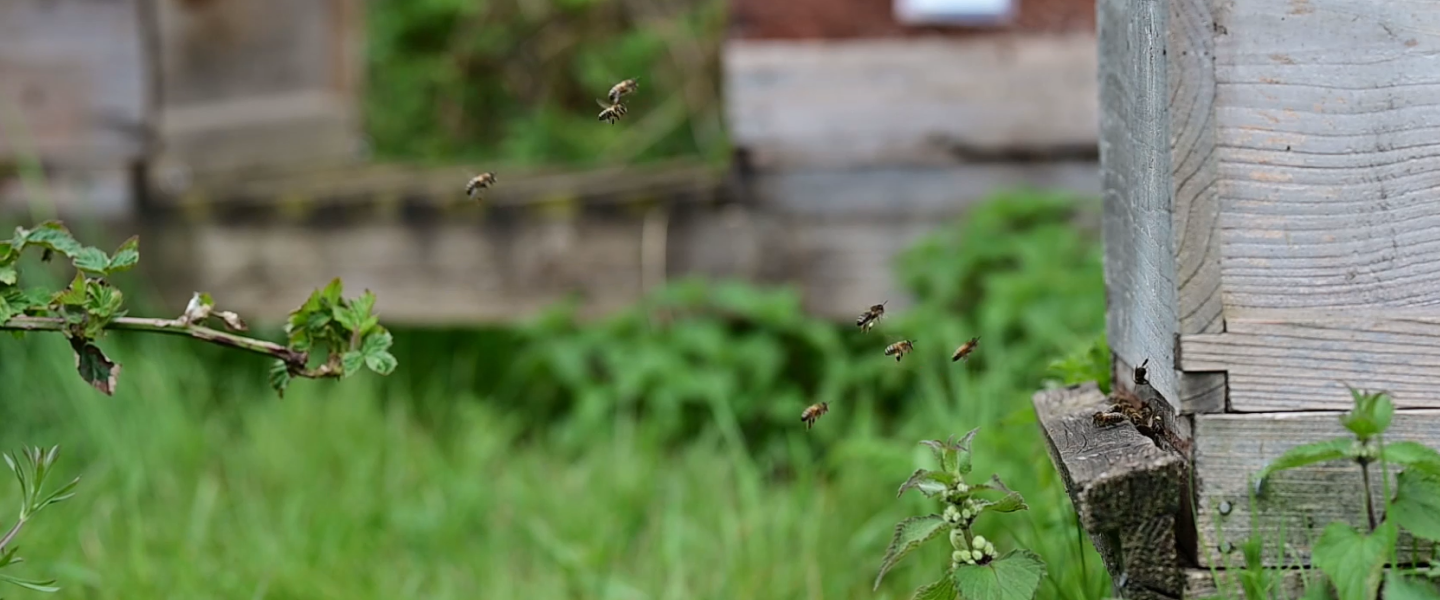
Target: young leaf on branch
point(32, 469)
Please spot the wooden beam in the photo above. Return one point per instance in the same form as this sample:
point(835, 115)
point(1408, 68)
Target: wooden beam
point(1297, 504)
point(1126, 489)
point(864, 103)
point(1302, 360)
point(1327, 160)
point(1157, 92)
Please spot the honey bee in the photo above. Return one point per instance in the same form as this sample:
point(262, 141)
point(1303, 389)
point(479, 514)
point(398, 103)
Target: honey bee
point(612, 112)
point(900, 348)
point(867, 319)
point(813, 413)
point(1108, 418)
point(620, 89)
point(1140, 373)
point(963, 352)
point(478, 182)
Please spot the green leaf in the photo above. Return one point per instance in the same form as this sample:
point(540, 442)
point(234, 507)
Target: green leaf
point(1399, 587)
point(1417, 504)
point(279, 377)
point(126, 256)
point(92, 260)
point(9, 275)
point(7, 311)
point(909, 534)
point(72, 295)
point(1011, 502)
point(95, 368)
point(940, 590)
point(1413, 455)
point(331, 293)
point(1354, 562)
point(1307, 454)
point(928, 482)
point(949, 453)
point(1015, 576)
point(376, 350)
point(383, 363)
point(47, 586)
point(52, 235)
point(352, 361)
point(1371, 415)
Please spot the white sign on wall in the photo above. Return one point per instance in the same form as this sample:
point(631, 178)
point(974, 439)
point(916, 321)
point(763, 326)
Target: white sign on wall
point(953, 12)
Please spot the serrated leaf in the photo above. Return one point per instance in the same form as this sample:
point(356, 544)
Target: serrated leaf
point(1399, 587)
point(940, 590)
point(331, 293)
point(927, 481)
point(346, 317)
point(352, 361)
point(47, 586)
point(909, 534)
point(1011, 502)
point(1412, 455)
point(1416, 507)
point(95, 368)
point(279, 377)
point(232, 321)
point(9, 275)
point(7, 312)
point(92, 260)
point(376, 343)
point(126, 256)
point(72, 295)
point(1371, 415)
point(52, 235)
point(1353, 562)
point(1015, 576)
point(383, 363)
point(1307, 454)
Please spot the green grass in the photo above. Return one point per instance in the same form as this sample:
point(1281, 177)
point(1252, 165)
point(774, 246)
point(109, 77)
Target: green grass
point(559, 460)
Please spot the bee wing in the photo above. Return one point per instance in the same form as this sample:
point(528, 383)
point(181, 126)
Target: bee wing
point(602, 103)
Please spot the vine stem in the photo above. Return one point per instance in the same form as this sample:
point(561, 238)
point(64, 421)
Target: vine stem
point(295, 359)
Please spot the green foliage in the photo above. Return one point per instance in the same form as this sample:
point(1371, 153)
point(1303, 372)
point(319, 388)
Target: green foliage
point(347, 330)
point(516, 81)
point(1416, 506)
point(975, 572)
point(1089, 363)
point(32, 468)
point(1353, 561)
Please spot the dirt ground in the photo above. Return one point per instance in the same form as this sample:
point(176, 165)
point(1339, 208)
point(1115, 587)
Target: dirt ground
point(850, 19)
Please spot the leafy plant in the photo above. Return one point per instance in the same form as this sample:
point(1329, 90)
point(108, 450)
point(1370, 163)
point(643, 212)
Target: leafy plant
point(1090, 363)
point(31, 468)
point(90, 305)
point(976, 571)
point(1354, 561)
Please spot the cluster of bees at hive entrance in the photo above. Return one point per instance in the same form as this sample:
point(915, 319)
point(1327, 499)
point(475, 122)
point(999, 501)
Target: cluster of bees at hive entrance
point(867, 321)
point(612, 111)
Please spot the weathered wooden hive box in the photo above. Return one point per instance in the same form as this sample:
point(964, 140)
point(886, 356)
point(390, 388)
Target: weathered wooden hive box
point(1272, 196)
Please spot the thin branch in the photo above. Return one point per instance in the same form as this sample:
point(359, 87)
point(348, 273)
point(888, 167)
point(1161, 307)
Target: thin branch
point(295, 359)
point(10, 535)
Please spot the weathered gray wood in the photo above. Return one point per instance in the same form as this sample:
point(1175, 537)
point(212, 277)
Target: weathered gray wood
point(73, 75)
point(1301, 360)
point(1126, 489)
point(1230, 448)
point(1327, 154)
point(888, 102)
point(1202, 583)
point(243, 88)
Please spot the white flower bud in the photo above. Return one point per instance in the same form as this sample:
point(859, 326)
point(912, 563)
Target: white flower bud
point(990, 548)
point(952, 514)
point(959, 556)
point(978, 542)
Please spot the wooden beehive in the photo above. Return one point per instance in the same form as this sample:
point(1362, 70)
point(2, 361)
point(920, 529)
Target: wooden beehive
point(1269, 215)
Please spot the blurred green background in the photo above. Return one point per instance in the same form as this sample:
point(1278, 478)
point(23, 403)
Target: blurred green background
point(657, 453)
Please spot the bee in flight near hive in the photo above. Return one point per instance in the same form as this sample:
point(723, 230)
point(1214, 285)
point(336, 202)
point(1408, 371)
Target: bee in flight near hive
point(1140, 373)
point(963, 352)
point(869, 318)
point(900, 348)
point(813, 412)
point(620, 89)
point(612, 112)
point(479, 182)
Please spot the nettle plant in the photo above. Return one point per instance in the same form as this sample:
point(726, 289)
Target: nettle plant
point(345, 330)
point(1354, 561)
point(976, 570)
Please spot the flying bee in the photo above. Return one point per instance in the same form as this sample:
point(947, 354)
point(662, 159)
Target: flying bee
point(963, 352)
point(900, 348)
point(612, 112)
point(867, 319)
point(479, 182)
point(813, 413)
point(620, 89)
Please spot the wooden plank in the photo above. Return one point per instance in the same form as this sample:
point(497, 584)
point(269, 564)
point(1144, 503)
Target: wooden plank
point(242, 88)
point(892, 102)
point(856, 19)
point(1230, 448)
point(1327, 153)
point(1195, 200)
point(1300, 360)
point(72, 193)
point(1221, 583)
point(73, 77)
point(1135, 144)
point(1126, 489)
